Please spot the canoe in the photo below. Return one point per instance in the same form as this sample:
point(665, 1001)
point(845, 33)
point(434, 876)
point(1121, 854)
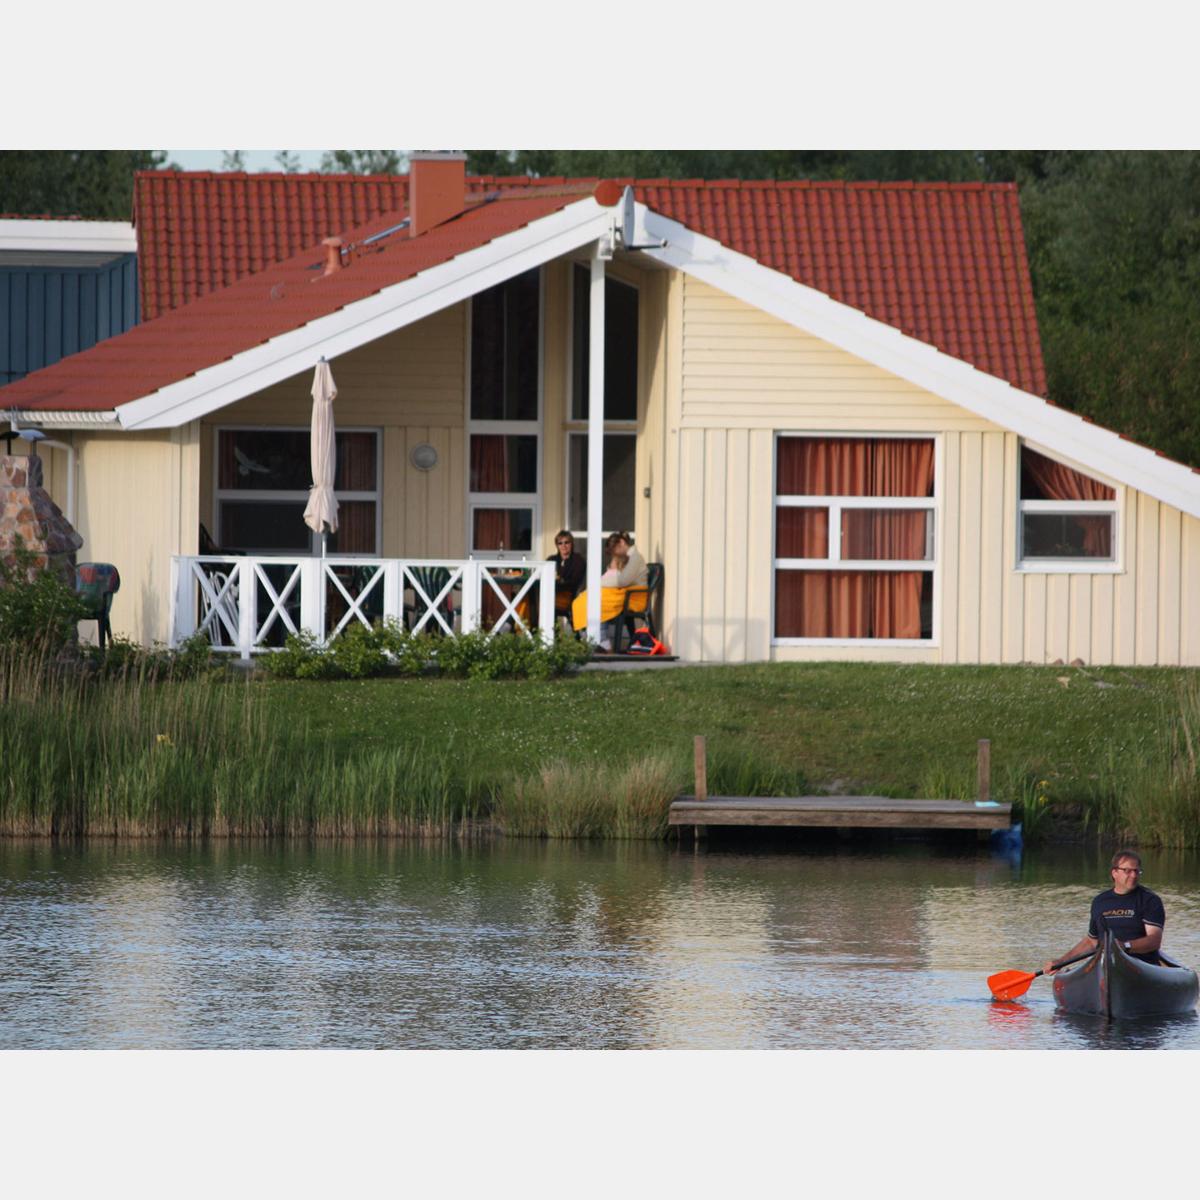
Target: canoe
point(1114, 984)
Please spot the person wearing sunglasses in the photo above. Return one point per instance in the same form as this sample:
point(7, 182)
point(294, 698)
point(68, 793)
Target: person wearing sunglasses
point(1134, 914)
point(570, 572)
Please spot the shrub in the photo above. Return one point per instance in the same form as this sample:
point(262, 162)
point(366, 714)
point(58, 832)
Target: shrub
point(36, 605)
point(358, 652)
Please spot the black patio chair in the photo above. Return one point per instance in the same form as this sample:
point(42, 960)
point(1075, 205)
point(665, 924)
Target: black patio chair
point(628, 620)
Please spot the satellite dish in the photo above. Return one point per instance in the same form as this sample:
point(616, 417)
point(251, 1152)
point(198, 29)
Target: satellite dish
point(628, 217)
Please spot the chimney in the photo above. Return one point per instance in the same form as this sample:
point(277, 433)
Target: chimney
point(333, 255)
point(437, 188)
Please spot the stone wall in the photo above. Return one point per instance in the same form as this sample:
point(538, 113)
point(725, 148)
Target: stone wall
point(30, 518)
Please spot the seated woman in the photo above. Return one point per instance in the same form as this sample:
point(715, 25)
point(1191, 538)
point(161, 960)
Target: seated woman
point(570, 572)
point(626, 569)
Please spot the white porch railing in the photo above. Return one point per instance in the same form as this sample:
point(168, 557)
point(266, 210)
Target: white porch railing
point(247, 604)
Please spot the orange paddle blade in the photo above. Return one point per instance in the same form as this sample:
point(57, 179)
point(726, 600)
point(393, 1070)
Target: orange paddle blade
point(1008, 985)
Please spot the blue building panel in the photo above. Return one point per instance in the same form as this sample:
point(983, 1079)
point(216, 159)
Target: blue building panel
point(47, 313)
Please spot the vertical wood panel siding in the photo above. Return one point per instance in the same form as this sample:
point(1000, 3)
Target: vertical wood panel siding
point(743, 371)
point(47, 313)
point(137, 503)
point(1189, 593)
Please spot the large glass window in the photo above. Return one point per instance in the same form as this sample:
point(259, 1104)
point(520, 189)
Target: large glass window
point(505, 327)
point(263, 481)
point(620, 348)
point(620, 465)
point(1067, 519)
point(854, 538)
point(504, 417)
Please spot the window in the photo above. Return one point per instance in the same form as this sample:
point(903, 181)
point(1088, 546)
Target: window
point(854, 538)
point(263, 480)
point(620, 464)
point(1067, 519)
point(504, 417)
point(620, 348)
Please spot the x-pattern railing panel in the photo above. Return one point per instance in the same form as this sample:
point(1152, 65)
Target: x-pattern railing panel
point(278, 601)
point(218, 600)
point(221, 596)
point(354, 603)
point(493, 576)
point(431, 607)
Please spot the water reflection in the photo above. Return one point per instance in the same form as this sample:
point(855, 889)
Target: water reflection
point(812, 944)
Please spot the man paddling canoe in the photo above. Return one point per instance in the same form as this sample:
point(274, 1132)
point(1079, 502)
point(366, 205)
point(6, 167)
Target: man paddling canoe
point(1134, 914)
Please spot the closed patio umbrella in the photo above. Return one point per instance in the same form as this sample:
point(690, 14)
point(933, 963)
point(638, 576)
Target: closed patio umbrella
point(322, 508)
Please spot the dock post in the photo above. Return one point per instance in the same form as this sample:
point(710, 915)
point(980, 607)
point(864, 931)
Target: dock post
point(698, 831)
point(985, 769)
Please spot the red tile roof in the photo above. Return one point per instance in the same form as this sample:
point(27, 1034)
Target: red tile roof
point(261, 306)
point(943, 262)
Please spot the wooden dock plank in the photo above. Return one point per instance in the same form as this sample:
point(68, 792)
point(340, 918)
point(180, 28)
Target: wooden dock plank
point(848, 812)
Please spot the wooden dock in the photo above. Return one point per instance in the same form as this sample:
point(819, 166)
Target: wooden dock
point(842, 812)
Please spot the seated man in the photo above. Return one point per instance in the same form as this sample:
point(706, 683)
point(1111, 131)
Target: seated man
point(626, 569)
point(1133, 914)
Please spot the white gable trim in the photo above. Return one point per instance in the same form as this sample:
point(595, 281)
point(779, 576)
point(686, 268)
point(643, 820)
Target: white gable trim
point(365, 320)
point(24, 236)
point(1060, 431)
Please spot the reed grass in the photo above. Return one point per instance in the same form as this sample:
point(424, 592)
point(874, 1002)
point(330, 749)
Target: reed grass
point(132, 757)
point(1150, 794)
point(586, 800)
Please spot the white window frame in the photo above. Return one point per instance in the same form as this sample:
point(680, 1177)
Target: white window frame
point(1068, 508)
point(836, 505)
point(530, 500)
point(620, 429)
point(314, 542)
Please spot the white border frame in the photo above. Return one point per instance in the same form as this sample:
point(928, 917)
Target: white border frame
point(1070, 566)
point(934, 504)
point(622, 429)
point(219, 493)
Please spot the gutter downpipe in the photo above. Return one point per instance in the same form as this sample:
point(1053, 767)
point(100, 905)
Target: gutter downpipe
point(595, 459)
point(52, 444)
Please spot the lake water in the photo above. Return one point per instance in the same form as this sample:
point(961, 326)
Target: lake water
point(504, 945)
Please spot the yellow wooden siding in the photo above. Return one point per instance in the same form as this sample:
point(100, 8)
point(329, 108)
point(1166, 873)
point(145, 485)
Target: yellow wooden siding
point(411, 386)
point(137, 506)
point(744, 377)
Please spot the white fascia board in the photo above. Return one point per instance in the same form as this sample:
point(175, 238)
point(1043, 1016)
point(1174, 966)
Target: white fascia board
point(64, 420)
point(366, 320)
point(909, 358)
point(91, 237)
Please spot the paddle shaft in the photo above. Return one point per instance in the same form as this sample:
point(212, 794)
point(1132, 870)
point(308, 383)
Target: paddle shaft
point(1066, 962)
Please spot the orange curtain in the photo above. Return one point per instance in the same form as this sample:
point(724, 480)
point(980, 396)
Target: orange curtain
point(489, 473)
point(1057, 482)
point(851, 604)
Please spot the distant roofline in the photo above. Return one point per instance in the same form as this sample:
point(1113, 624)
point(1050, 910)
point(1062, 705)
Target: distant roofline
point(58, 235)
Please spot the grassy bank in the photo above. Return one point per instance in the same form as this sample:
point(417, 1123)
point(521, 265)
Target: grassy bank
point(1106, 751)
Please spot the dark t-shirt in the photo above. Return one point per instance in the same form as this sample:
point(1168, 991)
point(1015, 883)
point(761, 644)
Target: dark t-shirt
point(569, 576)
point(1126, 916)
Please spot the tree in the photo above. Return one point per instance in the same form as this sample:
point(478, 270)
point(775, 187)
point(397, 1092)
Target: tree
point(288, 162)
point(362, 162)
point(95, 184)
point(233, 160)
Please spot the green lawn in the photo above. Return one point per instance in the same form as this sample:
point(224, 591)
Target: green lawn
point(898, 730)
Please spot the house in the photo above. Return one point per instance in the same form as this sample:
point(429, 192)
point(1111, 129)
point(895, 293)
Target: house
point(823, 411)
